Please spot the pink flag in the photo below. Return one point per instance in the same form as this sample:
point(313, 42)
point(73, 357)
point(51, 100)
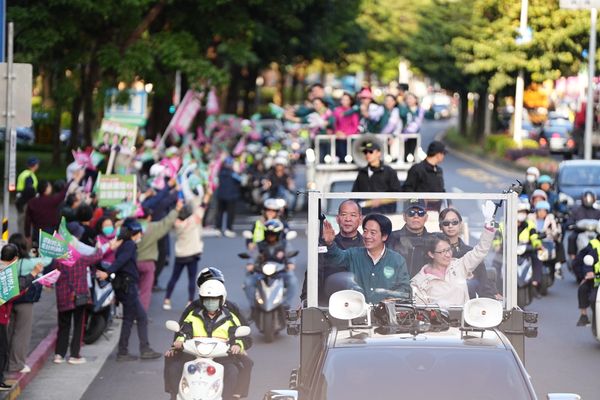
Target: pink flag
point(88, 186)
point(49, 279)
point(212, 103)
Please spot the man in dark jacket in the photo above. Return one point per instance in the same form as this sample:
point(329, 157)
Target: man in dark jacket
point(427, 176)
point(410, 241)
point(228, 193)
point(376, 177)
point(584, 211)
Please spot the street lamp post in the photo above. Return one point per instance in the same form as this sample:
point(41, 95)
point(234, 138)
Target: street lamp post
point(518, 122)
point(589, 110)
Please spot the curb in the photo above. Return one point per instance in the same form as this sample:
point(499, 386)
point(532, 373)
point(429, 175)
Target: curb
point(36, 361)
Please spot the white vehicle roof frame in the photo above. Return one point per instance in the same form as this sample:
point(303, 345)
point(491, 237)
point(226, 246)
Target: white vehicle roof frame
point(510, 201)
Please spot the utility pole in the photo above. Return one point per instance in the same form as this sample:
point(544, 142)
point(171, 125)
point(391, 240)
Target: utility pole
point(518, 115)
point(9, 112)
point(589, 110)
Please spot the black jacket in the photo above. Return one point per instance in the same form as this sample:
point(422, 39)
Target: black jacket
point(424, 177)
point(411, 246)
point(384, 179)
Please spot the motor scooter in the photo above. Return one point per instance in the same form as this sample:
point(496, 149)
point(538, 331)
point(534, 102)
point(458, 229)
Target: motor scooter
point(99, 314)
point(202, 378)
point(547, 256)
point(585, 229)
point(525, 275)
point(268, 312)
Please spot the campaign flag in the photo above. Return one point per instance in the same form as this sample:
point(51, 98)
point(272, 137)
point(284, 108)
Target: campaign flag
point(51, 246)
point(186, 112)
point(116, 189)
point(64, 232)
point(212, 103)
point(49, 279)
point(96, 158)
point(9, 282)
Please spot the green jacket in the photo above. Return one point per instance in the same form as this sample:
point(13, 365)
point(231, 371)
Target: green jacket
point(147, 249)
point(377, 281)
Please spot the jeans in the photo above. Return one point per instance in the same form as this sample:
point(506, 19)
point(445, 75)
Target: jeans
point(289, 280)
point(225, 207)
point(192, 269)
point(133, 310)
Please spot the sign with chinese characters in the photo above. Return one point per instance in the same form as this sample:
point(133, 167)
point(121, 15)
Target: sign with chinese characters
point(52, 247)
point(9, 282)
point(116, 189)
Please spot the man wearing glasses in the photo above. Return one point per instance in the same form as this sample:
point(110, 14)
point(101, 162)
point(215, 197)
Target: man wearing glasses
point(410, 241)
point(376, 177)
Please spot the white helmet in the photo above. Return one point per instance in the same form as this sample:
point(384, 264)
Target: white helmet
point(157, 169)
point(281, 161)
point(274, 204)
point(523, 206)
point(533, 171)
point(213, 288)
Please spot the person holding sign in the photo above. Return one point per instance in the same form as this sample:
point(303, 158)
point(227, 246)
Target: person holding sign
point(10, 285)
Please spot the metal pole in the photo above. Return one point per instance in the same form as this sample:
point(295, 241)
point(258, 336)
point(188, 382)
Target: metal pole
point(518, 122)
point(9, 116)
point(2, 28)
point(589, 117)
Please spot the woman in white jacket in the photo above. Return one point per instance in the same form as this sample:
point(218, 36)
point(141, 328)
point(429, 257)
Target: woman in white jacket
point(443, 280)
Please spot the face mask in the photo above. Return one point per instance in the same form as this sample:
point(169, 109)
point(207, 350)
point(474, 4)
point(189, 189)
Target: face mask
point(138, 240)
point(530, 178)
point(211, 305)
point(108, 230)
point(521, 217)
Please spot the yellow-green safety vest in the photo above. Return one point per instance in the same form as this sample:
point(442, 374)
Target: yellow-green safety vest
point(221, 331)
point(258, 234)
point(526, 236)
point(23, 178)
point(596, 246)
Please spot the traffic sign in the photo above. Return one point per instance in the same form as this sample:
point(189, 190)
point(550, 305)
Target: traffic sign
point(22, 83)
point(579, 4)
point(134, 112)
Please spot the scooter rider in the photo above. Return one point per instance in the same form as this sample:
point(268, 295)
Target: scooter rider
point(531, 176)
point(211, 316)
point(273, 248)
point(272, 209)
point(527, 234)
point(585, 211)
point(588, 276)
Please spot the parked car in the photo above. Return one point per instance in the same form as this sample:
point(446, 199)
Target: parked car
point(575, 177)
point(556, 135)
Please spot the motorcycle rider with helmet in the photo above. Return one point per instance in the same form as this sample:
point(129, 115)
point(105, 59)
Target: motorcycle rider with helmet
point(273, 248)
point(272, 209)
point(531, 176)
point(589, 277)
point(584, 211)
point(212, 316)
point(527, 234)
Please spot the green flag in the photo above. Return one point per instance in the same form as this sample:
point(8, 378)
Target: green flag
point(52, 247)
point(64, 232)
point(9, 282)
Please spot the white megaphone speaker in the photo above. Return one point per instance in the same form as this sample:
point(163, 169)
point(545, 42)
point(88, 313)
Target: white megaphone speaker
point(482, 313)
point(358, 146)
point(347, 305)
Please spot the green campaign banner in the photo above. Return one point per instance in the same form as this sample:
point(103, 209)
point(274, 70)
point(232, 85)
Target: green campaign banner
point(113, 190)
point(9, 282)
point(52, 247)
point(64, 232)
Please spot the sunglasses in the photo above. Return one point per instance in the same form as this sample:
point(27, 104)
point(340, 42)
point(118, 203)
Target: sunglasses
point(448, 223)
point(368, 151)
point(413, 212)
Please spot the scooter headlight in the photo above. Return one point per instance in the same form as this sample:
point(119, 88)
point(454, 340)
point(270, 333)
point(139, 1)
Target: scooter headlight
point(269, 269)
point(185, 387)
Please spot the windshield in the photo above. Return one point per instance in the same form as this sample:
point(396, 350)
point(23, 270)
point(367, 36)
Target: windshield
point(421, 373)
point(581, 175)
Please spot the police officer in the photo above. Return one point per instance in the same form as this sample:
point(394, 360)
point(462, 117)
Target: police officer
point(212, 316)
point(427, 176)
point(589, 277)
point(27, 184)
point(272, 209)
point(125, 285)
point(527, 234)
point(376, 177)
point(273, 248)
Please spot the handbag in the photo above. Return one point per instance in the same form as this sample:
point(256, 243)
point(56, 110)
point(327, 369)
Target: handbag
point(81, 299)
point(120, 283)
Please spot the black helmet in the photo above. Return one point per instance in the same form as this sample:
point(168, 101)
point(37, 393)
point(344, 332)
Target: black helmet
point(588, 198)
point(209, 273)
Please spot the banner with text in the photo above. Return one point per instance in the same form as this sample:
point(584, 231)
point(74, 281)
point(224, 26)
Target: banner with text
point(9, 282)
point(52, 247)
point(112, 190)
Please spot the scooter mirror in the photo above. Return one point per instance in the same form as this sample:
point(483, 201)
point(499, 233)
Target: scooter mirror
point(588, 260)
point(247, 235)
point(291, 235)
point(242, 331)
point(172, 325)
point(245, 256)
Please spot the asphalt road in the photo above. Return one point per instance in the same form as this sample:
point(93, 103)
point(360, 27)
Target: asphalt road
point(562, 359)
